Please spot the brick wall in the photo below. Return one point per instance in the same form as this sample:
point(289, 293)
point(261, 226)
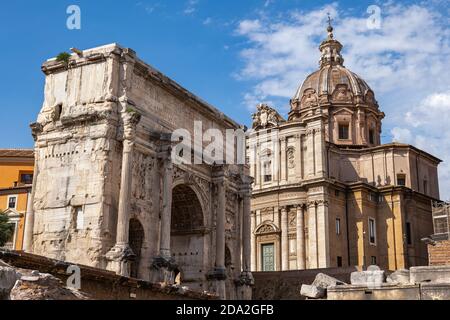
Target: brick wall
point(439, 254)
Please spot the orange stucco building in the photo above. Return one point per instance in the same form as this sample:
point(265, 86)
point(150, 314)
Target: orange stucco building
point(16, 176)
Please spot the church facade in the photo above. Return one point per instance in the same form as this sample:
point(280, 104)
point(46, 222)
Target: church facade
point(107, 191)
point(327, 193)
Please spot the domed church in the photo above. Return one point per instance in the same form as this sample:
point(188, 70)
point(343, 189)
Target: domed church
point(326, 192)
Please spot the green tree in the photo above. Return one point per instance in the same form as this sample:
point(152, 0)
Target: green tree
point(6, 229)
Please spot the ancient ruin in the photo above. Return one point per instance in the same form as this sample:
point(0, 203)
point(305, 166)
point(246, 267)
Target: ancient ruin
point(107, 192)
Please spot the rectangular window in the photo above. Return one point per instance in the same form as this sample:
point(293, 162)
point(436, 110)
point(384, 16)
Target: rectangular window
point(401, 180)
point(339, 262)
point(79, 218)
point(408, 233)
point(12, 202)
point(338, 226)
point(372, 136)
point(373, 260)
point(26, 178)
point(267, 169)
point(336, 193)
point(425, 186)
point(343, 131)
point(372, 231)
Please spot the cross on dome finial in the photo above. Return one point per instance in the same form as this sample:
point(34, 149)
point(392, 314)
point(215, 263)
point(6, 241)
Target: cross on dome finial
point(330, 48)
point(330, 27)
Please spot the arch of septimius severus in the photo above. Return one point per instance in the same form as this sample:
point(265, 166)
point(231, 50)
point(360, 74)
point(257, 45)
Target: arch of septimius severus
point(107, 192)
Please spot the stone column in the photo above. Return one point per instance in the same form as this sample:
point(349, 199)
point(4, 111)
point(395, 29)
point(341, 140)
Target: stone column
point(166, 217)
point(163, 265)
point(154, 228)
point(298, 156)
point(218, 275)
point(310, 161)
point(253, 241)
point(246, 279)
point(320, 151)
point(312, 236)
point(276, 163)
point(284, 239)
point(283, 171)
point(121, 254)
point(301, 258)
point(29, 216)
point(258, 178)
point(323, 243)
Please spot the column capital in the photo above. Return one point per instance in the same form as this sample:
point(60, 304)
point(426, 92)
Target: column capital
point(130, 118)
point(283, 209)
point(317, 203)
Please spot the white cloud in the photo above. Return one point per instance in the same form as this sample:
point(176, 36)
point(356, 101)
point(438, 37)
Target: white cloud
point(248, 27)
point(191, 7)
point(207, 21)
point(427, 127)
point(405, 62)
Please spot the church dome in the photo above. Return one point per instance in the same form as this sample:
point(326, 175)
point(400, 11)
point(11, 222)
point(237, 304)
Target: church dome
point(329, 78)
point(332, 83)
point(340, 98)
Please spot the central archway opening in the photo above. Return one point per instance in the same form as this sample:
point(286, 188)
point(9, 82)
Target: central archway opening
point(187, 233)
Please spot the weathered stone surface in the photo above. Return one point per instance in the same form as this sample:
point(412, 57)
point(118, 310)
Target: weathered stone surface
point(383, 292)
point(109, 192)
point(312, 291)
point(44, 287)
point(367, 278)
point(433, 274)
point(8, 277)
point(325, 281)
point(399, 276)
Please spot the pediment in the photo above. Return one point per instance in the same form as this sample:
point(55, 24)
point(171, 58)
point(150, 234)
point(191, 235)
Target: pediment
point(343, 111)
point(12, 213)
point(267, 227)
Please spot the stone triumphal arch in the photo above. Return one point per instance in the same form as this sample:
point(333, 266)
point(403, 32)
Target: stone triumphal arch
point(107, 192)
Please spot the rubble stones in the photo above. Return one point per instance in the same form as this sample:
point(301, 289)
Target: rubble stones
point(399, 277)
point(8, 277)
point(325, 281)
point(44, 287)
point(367, 278)
point(312, 291)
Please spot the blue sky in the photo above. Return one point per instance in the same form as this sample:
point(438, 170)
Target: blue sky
point(235, 54)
